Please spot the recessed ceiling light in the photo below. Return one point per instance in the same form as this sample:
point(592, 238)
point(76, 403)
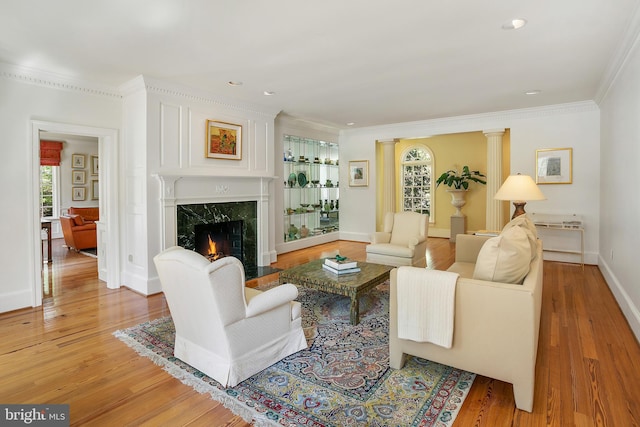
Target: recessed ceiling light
point(514, 24)
point(268, 93)
point(351, 123)
point(232, 83)
point(532, 92)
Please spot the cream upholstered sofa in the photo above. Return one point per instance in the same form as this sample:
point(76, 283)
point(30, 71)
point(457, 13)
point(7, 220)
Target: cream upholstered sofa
point(224, 329)
point(403, 240)
point(496, 325)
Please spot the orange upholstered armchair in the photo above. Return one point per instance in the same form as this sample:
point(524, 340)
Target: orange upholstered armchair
point(78, 234)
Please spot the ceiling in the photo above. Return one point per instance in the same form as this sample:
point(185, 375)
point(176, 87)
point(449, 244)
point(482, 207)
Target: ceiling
point(332, 62)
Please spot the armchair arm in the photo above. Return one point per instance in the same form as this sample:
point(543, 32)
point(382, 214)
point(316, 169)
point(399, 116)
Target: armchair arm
point(415, 241)
point(270, 299)
point(380, 237)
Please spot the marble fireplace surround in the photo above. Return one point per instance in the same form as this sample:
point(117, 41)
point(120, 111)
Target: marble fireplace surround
point(199, 190)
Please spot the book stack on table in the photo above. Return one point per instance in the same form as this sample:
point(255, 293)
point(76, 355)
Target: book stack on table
point(340, 267)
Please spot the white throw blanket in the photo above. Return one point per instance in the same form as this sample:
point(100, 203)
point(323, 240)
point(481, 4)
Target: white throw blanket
point(426, 305)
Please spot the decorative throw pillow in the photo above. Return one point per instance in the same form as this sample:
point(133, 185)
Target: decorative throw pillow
point(529, 227)
point(77, 219)
point(504, 258)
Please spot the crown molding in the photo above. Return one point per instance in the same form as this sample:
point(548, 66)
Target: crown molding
point(497, 119)
point(302, 125)
point(54, 81)
point(621, 56)
point(161, 87)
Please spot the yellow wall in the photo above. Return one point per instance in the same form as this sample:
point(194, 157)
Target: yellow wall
point(450, 152)
point(379, 184)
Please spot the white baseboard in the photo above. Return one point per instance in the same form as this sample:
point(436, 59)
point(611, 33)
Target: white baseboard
point(142, 285)
point(627, 306)
point(10, 301)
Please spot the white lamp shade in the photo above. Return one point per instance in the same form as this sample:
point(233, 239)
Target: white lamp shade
point(519, 187)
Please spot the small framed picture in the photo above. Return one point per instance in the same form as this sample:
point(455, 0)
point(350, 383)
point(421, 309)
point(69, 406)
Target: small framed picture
point(95, 190)
point(224, 141)
point(78, 177)
point(78, 193)
point(77, 161)
point(359, 173)
point(94, 165)
point(554, 166)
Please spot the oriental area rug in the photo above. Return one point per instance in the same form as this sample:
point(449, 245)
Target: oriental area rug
point(342, 379)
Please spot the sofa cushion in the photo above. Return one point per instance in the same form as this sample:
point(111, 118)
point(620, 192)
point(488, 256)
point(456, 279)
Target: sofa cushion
point(389, 249)
point(77, 219)
point(464, 269)
point(505, 258)
point(529, 227)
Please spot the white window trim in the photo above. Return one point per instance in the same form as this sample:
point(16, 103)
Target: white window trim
point(422, 147)
point(55, 199)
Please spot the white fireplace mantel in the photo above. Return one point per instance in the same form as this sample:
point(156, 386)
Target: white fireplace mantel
point(206, 188)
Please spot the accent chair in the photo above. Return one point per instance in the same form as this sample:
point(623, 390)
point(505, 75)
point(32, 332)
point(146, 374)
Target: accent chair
point(403, 240)
point(223, 328)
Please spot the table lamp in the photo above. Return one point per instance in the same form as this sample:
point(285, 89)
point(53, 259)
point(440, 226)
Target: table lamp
point(520, 189)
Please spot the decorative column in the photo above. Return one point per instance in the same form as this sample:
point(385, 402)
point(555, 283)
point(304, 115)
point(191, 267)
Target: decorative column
point(494, 217)
point(388, 176)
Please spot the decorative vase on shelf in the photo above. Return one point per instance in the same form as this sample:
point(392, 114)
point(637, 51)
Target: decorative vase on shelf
point(332, 205)
point(327, 207)
point(304, 231)
point(293, 230)
point(458, 200)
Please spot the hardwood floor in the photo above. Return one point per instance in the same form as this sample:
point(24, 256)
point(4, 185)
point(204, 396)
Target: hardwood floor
point(64, 352)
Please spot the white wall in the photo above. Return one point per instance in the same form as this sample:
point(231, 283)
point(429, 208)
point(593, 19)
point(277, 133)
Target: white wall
point(571, 125)
point(23, 99)
point(164, 135)
point(620, 206)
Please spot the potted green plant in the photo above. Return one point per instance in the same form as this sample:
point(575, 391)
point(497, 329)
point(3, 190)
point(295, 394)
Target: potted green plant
point(458, 184)
point(460, 181)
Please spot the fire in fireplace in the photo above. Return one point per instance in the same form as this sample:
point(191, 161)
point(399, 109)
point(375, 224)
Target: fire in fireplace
point(220, 239)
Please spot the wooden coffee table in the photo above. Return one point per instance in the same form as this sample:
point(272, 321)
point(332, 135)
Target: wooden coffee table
point(352, 285)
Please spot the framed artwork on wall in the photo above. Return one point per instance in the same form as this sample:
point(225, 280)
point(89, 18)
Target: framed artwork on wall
point(224, 141)
point(554, 166)
point(358, 173)
point(94, 165)
point(78, 177)
point(77, 161)
point(78, 193)
point(95, 190)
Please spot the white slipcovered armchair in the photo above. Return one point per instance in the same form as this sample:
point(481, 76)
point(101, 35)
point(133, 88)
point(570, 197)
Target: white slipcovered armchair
point(224, 329)
point(403, 240)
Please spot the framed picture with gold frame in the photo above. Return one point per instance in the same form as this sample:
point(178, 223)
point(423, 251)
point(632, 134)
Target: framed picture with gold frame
point(95, 190)
point(77, 161)
point(78, 177)
point(554, 166)
point(94, 165)
point(359, 173)
point(224, 141)
point(78, 194)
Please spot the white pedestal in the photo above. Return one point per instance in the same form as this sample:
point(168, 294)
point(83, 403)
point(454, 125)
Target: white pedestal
point(458, 226)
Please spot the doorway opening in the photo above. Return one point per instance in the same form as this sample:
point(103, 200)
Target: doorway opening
point(103, 188)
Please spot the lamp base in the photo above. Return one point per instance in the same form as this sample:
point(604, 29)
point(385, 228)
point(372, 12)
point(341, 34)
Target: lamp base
point(519, 209)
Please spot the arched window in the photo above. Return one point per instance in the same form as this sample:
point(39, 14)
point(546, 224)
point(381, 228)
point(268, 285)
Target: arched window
point(417, 166)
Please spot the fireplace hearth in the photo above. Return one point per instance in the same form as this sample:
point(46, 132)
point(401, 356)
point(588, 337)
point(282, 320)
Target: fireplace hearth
point(191, 216)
